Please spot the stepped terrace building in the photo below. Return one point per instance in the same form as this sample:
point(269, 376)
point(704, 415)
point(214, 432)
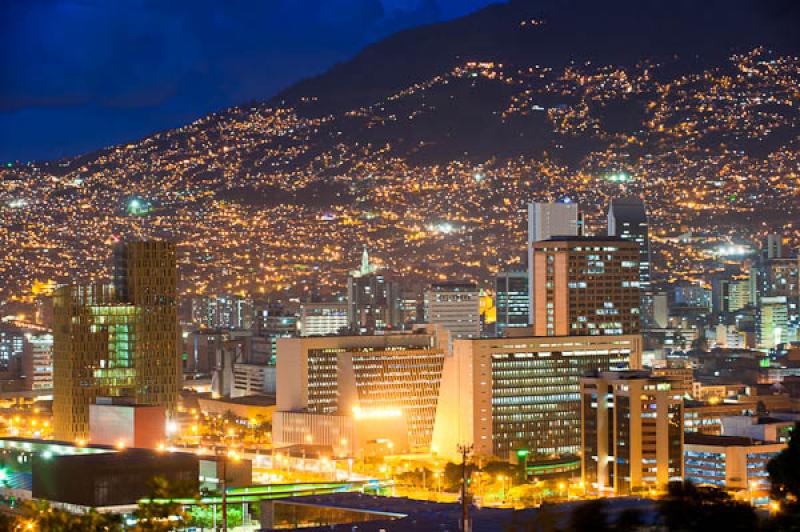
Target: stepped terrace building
point(346, 391)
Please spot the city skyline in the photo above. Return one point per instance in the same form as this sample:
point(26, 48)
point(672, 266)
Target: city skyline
point(534, 265)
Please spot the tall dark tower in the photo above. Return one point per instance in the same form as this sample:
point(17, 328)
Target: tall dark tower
point(627, 218)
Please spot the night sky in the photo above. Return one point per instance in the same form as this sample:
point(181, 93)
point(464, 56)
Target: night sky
point(82, 74)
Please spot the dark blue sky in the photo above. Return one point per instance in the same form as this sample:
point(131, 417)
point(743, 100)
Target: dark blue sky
point(82, 74)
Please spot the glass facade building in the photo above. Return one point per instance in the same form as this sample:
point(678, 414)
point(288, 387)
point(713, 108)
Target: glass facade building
point(117, 340)
point(512, 300)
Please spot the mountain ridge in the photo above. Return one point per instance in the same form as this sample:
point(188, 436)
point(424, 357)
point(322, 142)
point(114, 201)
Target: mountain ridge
point(663, 37)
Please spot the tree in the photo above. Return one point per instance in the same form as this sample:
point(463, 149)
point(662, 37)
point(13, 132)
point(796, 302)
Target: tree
point(515, 472)
point(629, 520)
point(203, 517)
point(45, 517)
point(688, 508)
point(590, 516)
point(155, 513)
point(784, 472)
point(452, 475)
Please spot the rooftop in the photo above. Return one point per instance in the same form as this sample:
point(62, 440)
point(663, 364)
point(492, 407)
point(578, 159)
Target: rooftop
point(693, 438)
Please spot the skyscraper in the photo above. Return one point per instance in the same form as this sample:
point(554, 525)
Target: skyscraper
point(777, 276)
point(586, 286)
point(118, 340)
point(546, 220)
point(772, 321)
point(627, 218)
point(773, 248)
point(511, 300)
point(222, 312)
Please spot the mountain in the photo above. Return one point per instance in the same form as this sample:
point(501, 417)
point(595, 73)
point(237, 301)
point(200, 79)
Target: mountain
point(616, 32)
point(427, 145)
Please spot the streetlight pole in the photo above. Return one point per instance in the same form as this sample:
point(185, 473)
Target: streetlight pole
point(464, 450)
point(224, 492)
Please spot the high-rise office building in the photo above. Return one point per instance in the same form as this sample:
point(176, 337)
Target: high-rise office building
point(456, 306)
point(772, 320)
point(373, 299)
point(38, 361)
point(222, 312)
point(691, 296)
point(12, 342)
point(730, 295)
point(586, 286)
point(271, 320)
point(323, 318)
point(117, 340)
point(779, 277)
point(512, 302)
point(506, 395)
point(546, 220)
point(412, 304)
point(773, 246)
point(632, 432)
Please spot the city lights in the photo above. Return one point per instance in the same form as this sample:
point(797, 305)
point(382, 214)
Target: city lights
point(479, 295)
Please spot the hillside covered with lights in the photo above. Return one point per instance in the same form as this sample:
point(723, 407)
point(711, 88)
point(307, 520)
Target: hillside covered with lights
point(426, 146)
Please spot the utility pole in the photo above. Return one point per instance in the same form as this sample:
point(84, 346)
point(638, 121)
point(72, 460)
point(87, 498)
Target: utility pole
point(465, 522)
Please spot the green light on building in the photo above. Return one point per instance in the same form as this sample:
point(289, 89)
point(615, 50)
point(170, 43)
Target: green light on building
point(138, 207)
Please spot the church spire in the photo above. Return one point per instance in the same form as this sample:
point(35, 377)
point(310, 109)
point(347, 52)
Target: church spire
point(365, 266)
